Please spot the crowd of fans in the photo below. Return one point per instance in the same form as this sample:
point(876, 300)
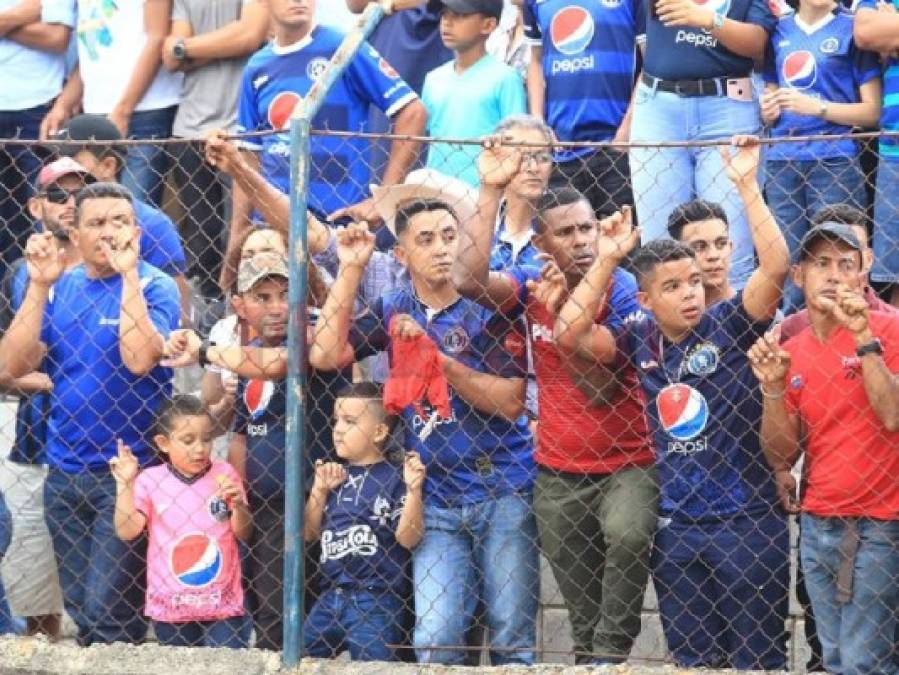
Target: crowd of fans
point(525, 338)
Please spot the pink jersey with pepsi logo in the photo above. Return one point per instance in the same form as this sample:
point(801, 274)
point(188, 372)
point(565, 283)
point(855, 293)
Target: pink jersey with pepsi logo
point(193, 567)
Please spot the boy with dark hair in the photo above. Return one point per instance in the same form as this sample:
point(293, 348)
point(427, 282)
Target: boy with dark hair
point(470, 95)
point(721, 554)
point(368, 515)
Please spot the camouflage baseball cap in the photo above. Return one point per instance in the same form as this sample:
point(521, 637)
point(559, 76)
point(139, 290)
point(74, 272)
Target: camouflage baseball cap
point(260, 267)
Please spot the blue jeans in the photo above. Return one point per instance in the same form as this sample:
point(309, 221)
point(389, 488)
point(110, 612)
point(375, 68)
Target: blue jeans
point(797, 190)
point(148, 163)
point(857, 636)
point(486, 550)
point(722, 590)
point(886, 223)
point(663, 178)
point(222, 633)
point(363, 621)
point(6, 621)
point(102, 578)
point(19, 165)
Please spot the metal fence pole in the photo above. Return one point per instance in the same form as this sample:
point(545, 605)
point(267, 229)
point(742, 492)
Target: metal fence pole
point(294, 501)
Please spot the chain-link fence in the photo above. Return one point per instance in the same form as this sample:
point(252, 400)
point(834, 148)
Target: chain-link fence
point(527, 437)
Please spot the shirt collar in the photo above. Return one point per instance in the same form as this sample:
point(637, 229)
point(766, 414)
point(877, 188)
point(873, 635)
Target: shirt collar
point(808, 29)
point(297, 46)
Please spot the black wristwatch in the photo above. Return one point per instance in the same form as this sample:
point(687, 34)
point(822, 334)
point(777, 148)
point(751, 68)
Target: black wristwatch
point(872, 347)
point(179, 50)
point(202, 357)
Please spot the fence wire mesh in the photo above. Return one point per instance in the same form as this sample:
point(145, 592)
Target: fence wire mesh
point(541, 425)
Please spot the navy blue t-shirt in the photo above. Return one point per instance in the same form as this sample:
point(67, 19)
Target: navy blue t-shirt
point(472, 456)
point(410, 41)
point(358, 532)
point(685, 53)
point(33, 410)
point(704, 409)
point(259, 414)
point(95, 398)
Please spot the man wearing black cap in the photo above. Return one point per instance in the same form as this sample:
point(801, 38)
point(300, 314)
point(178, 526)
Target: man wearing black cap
point(160, 244)
point(832, 391)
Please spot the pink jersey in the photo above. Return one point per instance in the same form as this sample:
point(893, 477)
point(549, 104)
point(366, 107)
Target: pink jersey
point(193, 568)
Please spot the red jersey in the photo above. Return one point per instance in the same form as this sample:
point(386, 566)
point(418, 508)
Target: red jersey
point(572, 435)
point(852, 461)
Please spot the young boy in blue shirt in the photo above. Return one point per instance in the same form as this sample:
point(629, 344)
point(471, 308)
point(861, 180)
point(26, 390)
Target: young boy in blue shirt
point(368, 514)
point(468, 96)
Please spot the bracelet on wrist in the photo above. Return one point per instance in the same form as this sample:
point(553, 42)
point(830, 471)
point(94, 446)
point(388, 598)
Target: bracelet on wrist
point(202, 353)
point(773, 396)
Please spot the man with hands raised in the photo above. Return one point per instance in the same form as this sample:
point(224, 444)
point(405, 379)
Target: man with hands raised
point(832, 391)
point(102, 329)
point(720, 559)
point(368, 515)
point(478, 521)
point(595, 495)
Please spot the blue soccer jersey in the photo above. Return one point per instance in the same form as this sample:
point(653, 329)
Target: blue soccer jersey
point(358, 533)
point(704, 410)
point(472, 456)
point(686, 53)
point(589, 57)
point(274, 81)
point(889, 117)
point(824, 63)
point(95, 398)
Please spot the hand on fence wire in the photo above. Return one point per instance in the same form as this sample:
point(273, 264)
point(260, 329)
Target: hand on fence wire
point(551, 288)
point(124, 465)
point(181, 349)
point(617, 235)
point(220, 152)
point(122, 250)
point(498, 163)
point(44, 260)
point(413, 471)
point(328, 476)
point(741, 165)
point(361, 211)
point(355, 244)
point(770, 363)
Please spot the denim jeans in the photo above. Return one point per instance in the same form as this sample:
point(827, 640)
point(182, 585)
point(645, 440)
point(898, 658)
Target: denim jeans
point(857, 636)
point(486, 550)
point(102, 578)
point(663, 178)
point(148, 163)
point(797, 190)
point(361, 620)
point(6, 620)
point(19, 165)
point(722, 589)
point(886, 223)
point(230, 632)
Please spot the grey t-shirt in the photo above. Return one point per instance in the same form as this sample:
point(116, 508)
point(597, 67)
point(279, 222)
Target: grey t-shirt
point(209, 95)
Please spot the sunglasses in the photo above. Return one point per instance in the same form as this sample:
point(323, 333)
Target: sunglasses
point(58, 195)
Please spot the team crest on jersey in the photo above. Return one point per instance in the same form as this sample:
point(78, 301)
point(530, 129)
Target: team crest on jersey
point(514, 344)
point(316, 67)
point(796, 382)
point(829, 46)
point(381, 511)
point(703, 359)
point(218, 509)
point(456, 340)
point(387, 69)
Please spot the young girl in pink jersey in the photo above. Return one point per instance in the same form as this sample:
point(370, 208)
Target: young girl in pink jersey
point(195, 510)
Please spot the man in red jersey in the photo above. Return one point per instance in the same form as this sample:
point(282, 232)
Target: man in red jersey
point(596, 494)
point(833, 391)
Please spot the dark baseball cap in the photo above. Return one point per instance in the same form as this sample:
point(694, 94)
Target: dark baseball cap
point(492, 8)
point(87, 128)
point(836, 232)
